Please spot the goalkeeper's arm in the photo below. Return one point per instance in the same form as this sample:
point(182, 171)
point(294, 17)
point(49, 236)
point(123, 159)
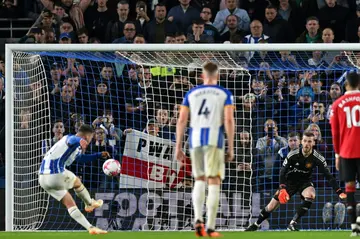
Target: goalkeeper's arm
point(330, 178)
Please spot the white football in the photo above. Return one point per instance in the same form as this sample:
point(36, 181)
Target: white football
point(112, 167)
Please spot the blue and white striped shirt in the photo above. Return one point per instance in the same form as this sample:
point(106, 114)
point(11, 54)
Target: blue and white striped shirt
point(63, 154)
point(206, 104)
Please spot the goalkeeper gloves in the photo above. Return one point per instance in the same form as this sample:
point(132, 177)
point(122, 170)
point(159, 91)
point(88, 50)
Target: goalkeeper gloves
point(341, 194)
point(283, 194)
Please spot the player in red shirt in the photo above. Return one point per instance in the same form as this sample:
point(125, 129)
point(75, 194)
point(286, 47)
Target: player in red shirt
point(345, 128)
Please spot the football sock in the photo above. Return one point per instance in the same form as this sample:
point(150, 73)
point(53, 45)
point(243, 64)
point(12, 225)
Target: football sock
point(83, 193)
point(198, 197)
point(351, 206)
point(302, 210)
point(264, 214)
point(79, 217)
point(212, 205)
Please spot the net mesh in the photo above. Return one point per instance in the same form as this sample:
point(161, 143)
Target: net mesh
point(31, 130)
point(132, 100)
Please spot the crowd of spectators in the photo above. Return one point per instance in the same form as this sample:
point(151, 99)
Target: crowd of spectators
point(286, 92)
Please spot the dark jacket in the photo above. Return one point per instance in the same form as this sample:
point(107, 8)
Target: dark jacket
point(279, 30)
point(304, 39)
point(335, 18)
point(150, 30)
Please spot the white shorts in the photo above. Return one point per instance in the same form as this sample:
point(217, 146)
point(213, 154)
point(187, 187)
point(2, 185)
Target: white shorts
point(208, 161)
point(57, 185)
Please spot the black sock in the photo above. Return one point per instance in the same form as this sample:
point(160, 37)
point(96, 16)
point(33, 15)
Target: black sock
point(302, 210)
point(264, 214)
point(351, 206)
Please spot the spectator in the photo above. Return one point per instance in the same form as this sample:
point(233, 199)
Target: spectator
point(9, 9)
point(106, 122)
point(352, 27)
point(335, 17)
point(170, 39)
point(33, 9)
point(287, 60)
point(312, 34)
point(277, 28)
point(58, 131)
point(50, 36)
point(66, 27)
point(293, 141)
point(293, 87)
point(115, 28)
point(83, 35)
point(162, 118)
point(320, 95)
point(34, 35)
point(97, 18)
point(183, 15)
point(301, 110)
point(231, 24)
point(289, 12)
point(267, 147)
point(159, 27)
point(139, 39)
point(335, 93)
point(59, 11)
point(65, 38)
point(256, 29)
point(210, 30)
point(198, 35)
point(75, 11)
point(74, 68)
point(46, 20)
point(141, 18)
point(317, 60)
point(25, 118)
point(152, 128)
point(180, 38)
point(231, 9)
point(94, 40)
point(129, 33)
point(55, 81)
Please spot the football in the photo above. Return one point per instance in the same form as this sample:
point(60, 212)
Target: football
point(111, 167)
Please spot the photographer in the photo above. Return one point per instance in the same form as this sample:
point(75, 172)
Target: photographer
point(141, 18)
point(267, 147)
point(106, 122)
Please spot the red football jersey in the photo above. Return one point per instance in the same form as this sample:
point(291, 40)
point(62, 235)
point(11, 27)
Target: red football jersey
point(345, 125)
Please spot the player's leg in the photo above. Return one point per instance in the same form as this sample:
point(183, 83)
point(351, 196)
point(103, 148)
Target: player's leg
point(57, 185)
point(198, 193)
point(348, 173)
point(308, 195)
point(83, 193)
point(214, 171)
point(265, 213)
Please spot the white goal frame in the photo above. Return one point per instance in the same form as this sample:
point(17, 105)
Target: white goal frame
point(11, 48)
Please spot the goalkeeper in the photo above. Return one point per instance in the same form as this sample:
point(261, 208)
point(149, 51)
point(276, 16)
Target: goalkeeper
point(296, 176)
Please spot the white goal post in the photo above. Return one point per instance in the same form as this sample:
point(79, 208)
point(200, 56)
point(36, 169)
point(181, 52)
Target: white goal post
point(189, 49)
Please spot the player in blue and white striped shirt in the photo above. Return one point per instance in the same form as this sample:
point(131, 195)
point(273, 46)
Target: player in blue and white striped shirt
point(56, 180)
point(211, 112)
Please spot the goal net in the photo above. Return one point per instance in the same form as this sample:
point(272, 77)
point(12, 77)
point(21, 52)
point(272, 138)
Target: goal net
point(132, 99)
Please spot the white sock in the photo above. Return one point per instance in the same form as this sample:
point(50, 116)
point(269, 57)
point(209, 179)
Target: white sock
point(83, 193)
point(198, 198)
point(212, 205)
point(79, 217)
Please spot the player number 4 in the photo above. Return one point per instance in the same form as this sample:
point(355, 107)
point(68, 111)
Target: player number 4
point(203, 109)
point(352, 116)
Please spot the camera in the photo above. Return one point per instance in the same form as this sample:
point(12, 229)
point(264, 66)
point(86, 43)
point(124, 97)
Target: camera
point(316, 112)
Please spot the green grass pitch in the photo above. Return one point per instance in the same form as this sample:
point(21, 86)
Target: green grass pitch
point(177, 235)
